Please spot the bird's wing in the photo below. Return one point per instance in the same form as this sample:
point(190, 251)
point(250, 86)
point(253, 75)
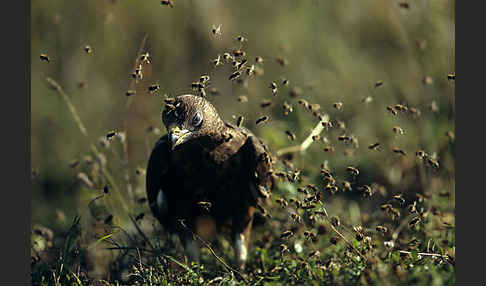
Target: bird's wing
point(157, 173)
point(260, 166)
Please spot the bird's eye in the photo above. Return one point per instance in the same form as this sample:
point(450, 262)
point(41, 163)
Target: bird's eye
point(197, 120)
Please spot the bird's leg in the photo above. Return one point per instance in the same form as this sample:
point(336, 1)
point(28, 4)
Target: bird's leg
point(241, 234)
point(191, 246)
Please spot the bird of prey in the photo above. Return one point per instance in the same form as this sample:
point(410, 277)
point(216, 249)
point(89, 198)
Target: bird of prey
point(207, 174)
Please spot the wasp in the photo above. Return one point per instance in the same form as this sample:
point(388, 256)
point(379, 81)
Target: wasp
point(167, 3)
point(241, 39)
point(287, 108)
point(44, 57)
point(286, 234)
point(381, 229)
point(420, 154)
point(433, 162)
point(392, 110)
point(273, 87)
point(144, 58)
point(374, 146)
point(130, 92)
point(401, 107)
point(111, 134)
point(87, 49)
point(310, 235)
point(313, 254)
point(344, 138)
point(227, 56)
point(312, 198)
point(282, 202)
point(290, 135)
point(314, 107)
point(239, 53)
point(265, 103)
point(326, 173)
point(297, 203)
point(414, 221)
point(204, 79)
point(451, 76)
point(239, 65)
point(295, 217)
point(234, 75)
point(140, 171)
point(331, 188)
point(304, 103)
point(399, 198)
point(338, 105)
point(335, 221)
point(378, 83)
point(240, 120)
point(302, 190)
point(359, 232)
point(386, 207)
point(394, 213)
point(326, 123)
point(399, 151)
point(398, 130)
point(367, 99)
point(346, 186)
point(205, 205)
point(285, 82)
point(250, 70)
point(367, 191)
point(153, 88)
point(353, 171)
point(262, 119)
point(242, 98)
point(217, 61)
point(412, 207)
point(316, 137)
point(138, 71)
point(329, 149)
point(307, 206)
point(216, 30)
point(312, 187)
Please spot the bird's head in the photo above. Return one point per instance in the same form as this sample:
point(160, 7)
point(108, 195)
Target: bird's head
point(189, 117)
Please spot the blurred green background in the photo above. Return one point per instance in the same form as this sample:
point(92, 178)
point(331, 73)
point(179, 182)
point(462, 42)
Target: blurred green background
point(336, 52)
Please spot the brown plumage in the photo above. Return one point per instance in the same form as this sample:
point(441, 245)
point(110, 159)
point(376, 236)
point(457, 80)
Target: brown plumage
point(206, 174)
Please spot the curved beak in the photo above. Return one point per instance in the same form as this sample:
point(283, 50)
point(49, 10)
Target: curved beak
point(178, 136)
